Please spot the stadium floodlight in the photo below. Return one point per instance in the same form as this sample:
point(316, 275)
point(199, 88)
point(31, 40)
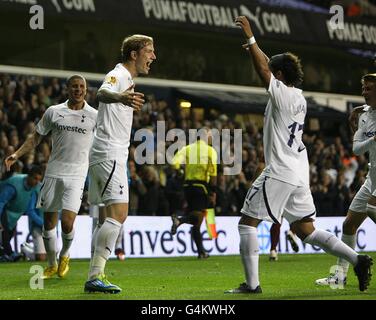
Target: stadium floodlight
point(185, 104)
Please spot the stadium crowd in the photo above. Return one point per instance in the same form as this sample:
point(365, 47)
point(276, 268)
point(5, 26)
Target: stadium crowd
point(336, 174)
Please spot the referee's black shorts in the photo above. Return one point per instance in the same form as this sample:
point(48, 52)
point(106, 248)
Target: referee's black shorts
point(196, 195)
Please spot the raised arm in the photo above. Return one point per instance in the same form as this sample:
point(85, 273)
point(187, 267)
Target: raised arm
point(360, 147)
point(361, 142)
point(354, 117)
point(30, 144)
point(259, 58)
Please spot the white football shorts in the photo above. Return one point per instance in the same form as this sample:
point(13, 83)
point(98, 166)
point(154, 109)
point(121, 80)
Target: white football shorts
point(61, 193)
point(360, 200)
point(108, 183)
point(270, 199)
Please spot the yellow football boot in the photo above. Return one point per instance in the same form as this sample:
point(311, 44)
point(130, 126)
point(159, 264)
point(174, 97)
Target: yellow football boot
point(49, 272)
point(63, 267)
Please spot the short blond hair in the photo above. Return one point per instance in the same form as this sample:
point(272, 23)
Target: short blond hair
point(134, 43)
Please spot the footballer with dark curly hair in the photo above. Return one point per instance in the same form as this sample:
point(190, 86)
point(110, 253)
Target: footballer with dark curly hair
point(282, 189)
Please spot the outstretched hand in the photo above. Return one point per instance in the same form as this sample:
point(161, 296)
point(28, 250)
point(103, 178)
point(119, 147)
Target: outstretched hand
point(10, 160)
point(132, 99)
point(243, 22)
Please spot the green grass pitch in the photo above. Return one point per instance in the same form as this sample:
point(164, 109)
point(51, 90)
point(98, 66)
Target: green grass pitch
point(187, 278)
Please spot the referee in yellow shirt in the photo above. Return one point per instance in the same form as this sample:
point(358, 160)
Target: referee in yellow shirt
point(200, 160)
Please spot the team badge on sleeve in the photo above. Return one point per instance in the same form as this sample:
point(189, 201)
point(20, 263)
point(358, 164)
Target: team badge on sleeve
point(111, 80)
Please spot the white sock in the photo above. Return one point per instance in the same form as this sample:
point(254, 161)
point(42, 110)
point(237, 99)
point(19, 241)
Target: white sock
point(95, 221)
point(93, 242)
point(106, 238)
point(49, 240)
point(331, 244)
point(249, 251)
point(67, 242)
point(350, 240)
point(119, 239)
point(94, 239)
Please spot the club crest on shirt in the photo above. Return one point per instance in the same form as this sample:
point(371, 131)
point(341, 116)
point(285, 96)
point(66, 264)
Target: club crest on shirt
point(111, 80)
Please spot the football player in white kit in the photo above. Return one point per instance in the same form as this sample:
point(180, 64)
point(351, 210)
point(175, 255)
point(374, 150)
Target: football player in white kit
point(364, 203)
point(72, 126)
point(282, 190)
point(109, 153)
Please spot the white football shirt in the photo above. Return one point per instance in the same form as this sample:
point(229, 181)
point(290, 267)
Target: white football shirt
point(114, 123)
point(72, 133)
point(285, 154)
point(363, 140)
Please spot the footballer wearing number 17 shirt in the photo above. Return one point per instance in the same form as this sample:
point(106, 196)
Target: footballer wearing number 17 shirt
point(282, 189)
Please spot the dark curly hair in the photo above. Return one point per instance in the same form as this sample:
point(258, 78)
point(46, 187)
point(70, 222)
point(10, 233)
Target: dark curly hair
point(369, 77)
point(290, 66)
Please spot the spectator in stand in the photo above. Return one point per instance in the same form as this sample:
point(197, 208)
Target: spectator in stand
point(23, 102)
point(359, 180)
point(350, 165)
point(148, 202)
point(343, 195)
point(224, 196)
point(325, 196)
point(354, 9)
point(239, 191)
point(137, 188)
